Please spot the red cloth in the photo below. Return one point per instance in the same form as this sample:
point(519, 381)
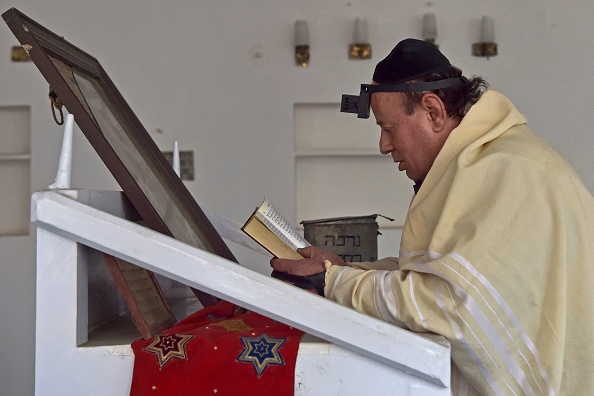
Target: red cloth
point(220, 350)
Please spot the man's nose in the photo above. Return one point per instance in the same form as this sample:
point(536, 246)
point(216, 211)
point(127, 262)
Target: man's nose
point(385, 145)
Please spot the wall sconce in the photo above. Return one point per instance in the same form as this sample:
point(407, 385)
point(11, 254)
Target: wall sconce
point(487, 46)
point(429, 28)
point(360, 48)
point(301, 44)
point(20, 54)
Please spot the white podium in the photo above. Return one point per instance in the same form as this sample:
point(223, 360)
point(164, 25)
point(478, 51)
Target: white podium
point(343, 353)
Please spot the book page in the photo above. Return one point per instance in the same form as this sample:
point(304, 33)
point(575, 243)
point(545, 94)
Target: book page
point(278, 225)
point(268, 239)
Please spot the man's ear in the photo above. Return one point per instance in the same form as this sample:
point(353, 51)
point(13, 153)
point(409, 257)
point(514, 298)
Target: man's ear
point(436, 111)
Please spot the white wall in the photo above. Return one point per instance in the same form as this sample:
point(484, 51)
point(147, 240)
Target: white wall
point(187, 68)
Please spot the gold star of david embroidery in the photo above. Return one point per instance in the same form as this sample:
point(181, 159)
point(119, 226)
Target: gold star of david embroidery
point(233, 325)
point(261, 351)
point(168, 346)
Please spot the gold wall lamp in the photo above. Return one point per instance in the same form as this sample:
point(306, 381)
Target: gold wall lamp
point(487, 46)
point(20, 54)
point(301, 44)
point(360, 48)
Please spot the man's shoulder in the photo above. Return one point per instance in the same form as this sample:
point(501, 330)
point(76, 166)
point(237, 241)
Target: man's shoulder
point(523, 146)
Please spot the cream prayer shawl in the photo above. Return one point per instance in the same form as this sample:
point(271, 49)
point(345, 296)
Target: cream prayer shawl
point(497, 256)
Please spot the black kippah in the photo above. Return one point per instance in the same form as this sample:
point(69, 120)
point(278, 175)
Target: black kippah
point(410, 59)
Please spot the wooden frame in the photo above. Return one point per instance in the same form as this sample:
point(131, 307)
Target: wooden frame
point(116, 134)
point(143, 296)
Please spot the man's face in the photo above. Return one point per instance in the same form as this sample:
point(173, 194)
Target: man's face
point(408, 138)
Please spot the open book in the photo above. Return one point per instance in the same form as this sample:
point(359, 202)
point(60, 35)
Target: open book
point(269, 229)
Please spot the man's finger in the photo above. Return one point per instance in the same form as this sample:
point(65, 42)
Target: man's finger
point(284, 265)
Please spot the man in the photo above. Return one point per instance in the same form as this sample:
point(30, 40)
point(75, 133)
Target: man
point(497, 251)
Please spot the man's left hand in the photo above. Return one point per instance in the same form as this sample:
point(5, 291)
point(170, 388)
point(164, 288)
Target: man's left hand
point(312, 263)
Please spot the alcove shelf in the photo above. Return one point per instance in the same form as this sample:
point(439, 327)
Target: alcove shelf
point(15, 169)
point(337, 153)
point(340, 172)
point(15, 157)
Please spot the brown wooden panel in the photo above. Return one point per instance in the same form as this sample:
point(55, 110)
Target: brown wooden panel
point(118, 137)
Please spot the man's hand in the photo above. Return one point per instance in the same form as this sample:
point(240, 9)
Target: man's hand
point(312, 263)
